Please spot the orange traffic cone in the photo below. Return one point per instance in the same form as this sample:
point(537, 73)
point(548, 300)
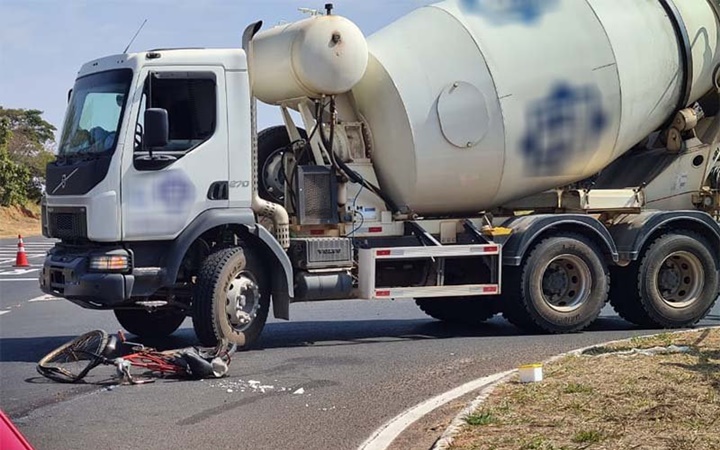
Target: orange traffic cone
point(21, 258)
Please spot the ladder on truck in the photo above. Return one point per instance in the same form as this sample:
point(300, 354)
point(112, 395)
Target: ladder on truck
point(370, 259)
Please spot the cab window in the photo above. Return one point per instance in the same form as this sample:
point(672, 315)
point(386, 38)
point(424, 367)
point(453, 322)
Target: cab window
point(190, 99)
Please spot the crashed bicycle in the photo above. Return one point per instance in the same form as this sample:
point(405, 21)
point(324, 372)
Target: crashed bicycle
point(71, 362)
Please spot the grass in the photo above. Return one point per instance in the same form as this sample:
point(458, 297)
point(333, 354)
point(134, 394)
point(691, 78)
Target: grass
point(480, 419)
point(588, 437)
point(605, 401)
point(577, 388)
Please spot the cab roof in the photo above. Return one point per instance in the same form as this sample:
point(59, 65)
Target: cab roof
point(229, 58)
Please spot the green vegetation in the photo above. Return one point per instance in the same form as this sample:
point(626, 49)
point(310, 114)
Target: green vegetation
point(480, 418)
point(588, 437)
point(577, 388)
point(26, 142)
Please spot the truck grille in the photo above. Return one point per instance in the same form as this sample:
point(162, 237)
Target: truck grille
point(67, 223)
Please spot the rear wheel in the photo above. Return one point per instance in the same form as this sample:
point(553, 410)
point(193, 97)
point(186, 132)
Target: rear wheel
point(150, 324)
point(674, 285)
point(461, 310)
point(231, 298)
point(561, 286)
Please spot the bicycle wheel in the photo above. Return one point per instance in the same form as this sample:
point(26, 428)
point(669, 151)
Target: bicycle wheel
point(70, 362)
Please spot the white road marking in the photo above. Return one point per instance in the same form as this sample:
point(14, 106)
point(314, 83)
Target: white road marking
point(3, 312)
point(44, 298)
point(386, 434)
point(18, 279)
point(18, 272)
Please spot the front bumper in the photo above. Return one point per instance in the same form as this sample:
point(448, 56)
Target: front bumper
point(65, 274)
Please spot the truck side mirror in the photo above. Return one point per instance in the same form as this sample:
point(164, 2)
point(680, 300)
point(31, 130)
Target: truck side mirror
point(157, 128)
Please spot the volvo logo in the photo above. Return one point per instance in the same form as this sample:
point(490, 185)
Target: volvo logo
point(329, 251)
point(64, 180)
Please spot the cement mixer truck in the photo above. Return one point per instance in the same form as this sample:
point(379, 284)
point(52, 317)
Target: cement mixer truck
point(535, 159)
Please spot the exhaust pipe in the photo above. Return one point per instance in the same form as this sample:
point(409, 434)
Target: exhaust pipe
point(262, 207)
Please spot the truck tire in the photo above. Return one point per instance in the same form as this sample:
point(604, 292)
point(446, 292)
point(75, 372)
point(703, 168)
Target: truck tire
point(460, 310)
point(231, 298)
point(272, 144)
point(675, 283)
point(624, 295)
point(561, 286)
point(147, 324)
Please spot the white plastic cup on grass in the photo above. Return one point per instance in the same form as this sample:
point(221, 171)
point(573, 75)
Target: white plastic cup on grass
point(531, 373)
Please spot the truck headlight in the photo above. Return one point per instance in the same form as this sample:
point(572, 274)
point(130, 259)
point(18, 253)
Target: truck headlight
point(109, 263)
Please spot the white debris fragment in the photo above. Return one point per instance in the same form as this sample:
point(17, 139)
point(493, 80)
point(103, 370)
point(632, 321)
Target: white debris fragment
point(229, 391)
point(254, 386)
point(299, 392)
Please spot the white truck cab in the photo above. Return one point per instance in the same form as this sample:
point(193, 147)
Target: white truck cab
point(103, 167)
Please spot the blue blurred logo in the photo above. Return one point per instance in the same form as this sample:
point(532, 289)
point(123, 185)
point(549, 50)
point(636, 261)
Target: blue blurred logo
point(510, 11)
point(568, 122)
point(176, 192)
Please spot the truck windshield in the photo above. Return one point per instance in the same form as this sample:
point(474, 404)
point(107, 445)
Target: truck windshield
point(94, 113)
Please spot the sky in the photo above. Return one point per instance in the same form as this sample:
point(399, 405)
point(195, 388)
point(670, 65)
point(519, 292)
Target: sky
point(43, 43)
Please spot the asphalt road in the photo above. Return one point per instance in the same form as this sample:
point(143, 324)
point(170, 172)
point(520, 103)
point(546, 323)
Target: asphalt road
point(358, 363)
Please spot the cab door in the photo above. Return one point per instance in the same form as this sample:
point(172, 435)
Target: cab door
point(161, 199)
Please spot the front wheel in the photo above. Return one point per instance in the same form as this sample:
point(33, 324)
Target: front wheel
point(231, 298)
point(150, 324)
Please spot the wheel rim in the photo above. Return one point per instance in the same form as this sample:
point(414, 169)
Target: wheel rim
point(680, 279)
point(273, 179)
point(566, 283)
point(242, 301)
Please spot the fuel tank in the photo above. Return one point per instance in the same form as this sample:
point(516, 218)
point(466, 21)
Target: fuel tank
point(474, 103)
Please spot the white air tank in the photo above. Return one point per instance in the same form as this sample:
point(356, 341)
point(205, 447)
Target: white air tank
point(474, 103)
point(319, 55)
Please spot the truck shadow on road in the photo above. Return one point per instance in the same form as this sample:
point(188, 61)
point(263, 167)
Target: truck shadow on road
point(322, 333)
point(363, 332)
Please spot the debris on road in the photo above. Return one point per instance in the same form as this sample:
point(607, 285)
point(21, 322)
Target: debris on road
point(299, 391)
point(242, 386)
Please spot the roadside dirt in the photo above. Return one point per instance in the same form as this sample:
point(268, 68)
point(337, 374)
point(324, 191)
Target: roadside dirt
point(611, 398)
point(24, 220)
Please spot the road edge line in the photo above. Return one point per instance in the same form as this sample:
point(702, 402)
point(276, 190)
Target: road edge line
point(387, 432)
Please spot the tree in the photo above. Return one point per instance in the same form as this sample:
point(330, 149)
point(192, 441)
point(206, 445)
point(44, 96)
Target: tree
point(27, 141)
point(14, 178)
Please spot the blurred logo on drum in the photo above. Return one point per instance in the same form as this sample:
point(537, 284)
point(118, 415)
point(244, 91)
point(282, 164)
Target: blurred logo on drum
point(503, 12)
point(562, 129)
